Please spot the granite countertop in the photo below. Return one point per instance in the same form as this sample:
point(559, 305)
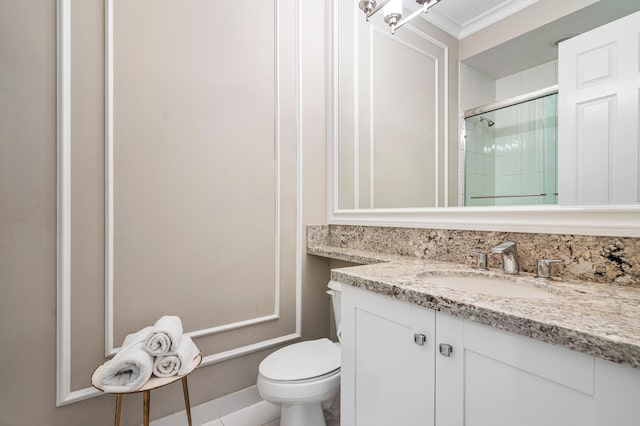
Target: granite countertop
point(602, 320)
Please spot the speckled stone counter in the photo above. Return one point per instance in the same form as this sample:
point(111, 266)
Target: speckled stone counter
point(614, 260)
point(598, 319)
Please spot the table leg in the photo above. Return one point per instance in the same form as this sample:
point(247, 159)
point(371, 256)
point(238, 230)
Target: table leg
point(118, 408)
point(147, 402)
point(187, 404)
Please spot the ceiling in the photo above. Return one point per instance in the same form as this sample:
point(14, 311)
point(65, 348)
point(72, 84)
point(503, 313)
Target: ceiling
point(461, 18)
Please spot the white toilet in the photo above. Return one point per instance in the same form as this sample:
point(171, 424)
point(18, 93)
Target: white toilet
point(302, 376)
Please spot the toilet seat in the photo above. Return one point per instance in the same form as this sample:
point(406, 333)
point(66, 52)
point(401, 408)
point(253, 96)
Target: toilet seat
point(302, 362)
point(302, 381)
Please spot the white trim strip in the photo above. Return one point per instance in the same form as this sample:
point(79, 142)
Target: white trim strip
point(372, 137)
point(276, 147)
point(333, 121)
point(244, 350)
point(300, 230)
point(618, 220)
point(232, 326)
point(108, 181)
point(332, 124)
point(356, 106)
point(223, 328)
point(63, 323)
point(445, 124)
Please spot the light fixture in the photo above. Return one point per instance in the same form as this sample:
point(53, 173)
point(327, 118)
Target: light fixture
point(393, 11)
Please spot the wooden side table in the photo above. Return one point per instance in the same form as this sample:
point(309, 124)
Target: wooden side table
point(153, 383)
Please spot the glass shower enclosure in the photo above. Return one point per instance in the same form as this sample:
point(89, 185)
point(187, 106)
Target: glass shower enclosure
point(510, 152)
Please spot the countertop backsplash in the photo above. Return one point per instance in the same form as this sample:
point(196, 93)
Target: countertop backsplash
point(614, 260)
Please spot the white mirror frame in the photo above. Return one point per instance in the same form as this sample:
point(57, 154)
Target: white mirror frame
point(604, 220)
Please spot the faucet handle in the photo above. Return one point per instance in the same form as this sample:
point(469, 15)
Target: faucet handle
point(503, 247)
point(544, 269)
point(481, 260)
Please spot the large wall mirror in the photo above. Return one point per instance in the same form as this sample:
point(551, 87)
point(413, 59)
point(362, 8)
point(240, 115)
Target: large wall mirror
point(425, 133)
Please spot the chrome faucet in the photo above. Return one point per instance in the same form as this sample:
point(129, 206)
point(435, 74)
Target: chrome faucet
point(544, 269)
point(510, 261)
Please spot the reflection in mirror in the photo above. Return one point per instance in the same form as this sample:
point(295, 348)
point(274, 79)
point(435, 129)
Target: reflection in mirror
point(511, 154)
point(392, 104)
point(395, 149)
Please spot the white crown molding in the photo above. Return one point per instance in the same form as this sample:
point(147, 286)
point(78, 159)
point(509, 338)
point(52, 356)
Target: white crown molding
point(63, 342)
point(461, 30)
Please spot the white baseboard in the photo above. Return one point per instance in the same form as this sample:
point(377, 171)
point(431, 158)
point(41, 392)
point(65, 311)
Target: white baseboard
point(213, 409)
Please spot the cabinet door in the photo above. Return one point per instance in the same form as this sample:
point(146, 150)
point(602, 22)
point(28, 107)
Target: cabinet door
point(503, 379)
point(449, 371)
point(387, 379)
point(617, 390)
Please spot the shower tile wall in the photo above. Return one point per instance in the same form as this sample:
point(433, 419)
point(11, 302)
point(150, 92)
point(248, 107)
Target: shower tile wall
point(480, 164)
point(526, 81)
point(477, 89)
point(505, 159)
point(525, 152)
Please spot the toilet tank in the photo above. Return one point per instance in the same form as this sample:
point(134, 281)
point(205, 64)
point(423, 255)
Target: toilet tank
point(335, 291)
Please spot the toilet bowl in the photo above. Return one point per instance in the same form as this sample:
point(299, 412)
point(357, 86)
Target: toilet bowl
point(301, 377)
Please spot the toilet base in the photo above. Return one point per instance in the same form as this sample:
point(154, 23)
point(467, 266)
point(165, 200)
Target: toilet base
point(302, 414)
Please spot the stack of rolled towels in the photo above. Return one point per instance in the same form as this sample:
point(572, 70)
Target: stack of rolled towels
point(161, 350)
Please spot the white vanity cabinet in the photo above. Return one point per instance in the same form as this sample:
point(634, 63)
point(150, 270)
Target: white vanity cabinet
point(387, 378)
point(490, 378)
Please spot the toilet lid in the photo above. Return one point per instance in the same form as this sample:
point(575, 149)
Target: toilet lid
point(303, 360)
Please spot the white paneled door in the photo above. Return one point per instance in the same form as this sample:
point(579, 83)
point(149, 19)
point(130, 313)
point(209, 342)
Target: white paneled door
point(599, 92)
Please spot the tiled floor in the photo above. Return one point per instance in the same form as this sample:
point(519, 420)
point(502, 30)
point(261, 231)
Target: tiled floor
point(260, 414)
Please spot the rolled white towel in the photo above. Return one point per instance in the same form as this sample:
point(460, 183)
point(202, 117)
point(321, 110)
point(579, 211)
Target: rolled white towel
point(131, 367)
point(176, 363)
point(165, 336)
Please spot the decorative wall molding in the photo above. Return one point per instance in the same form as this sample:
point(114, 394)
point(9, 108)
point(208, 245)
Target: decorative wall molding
point(373, 29)
point(445, 107)
point(108, 178)
point(333, 122)
point(63, 366)
point(110, 348)
point(63, 254)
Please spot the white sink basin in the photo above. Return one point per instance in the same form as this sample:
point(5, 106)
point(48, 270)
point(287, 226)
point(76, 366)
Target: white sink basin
point(490, 286)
